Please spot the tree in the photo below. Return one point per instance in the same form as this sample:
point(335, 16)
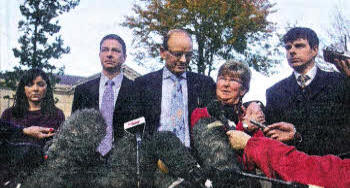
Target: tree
point(338, 35)
point(339, 31)
point(222, 29)
point(40, 41)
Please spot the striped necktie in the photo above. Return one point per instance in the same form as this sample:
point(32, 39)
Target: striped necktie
point(302, 79)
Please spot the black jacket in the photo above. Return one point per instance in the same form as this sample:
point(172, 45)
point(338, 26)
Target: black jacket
point(320, 112)
point(87, 96)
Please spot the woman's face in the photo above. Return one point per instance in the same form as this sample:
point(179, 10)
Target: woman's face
point(36, 90)
point(229, 90)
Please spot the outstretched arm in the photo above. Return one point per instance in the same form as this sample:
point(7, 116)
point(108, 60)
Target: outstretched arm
point(275, 158)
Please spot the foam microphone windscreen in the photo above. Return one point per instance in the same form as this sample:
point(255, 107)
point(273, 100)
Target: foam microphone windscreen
point(214, 152)
point(223, 112)
point(120, 169)
point(167, 147)
point(122, 165)
point(215, 108)
point(176, 156)
point(72, 156)
point(213, 146)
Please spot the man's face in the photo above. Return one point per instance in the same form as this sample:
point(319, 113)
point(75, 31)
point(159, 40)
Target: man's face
point(179, 53)
point(255, 112)
point(229, 90)
point(300, 55)
point(111, 55)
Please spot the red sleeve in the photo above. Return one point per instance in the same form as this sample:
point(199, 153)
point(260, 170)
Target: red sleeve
point(197, 114)
point(275, 158)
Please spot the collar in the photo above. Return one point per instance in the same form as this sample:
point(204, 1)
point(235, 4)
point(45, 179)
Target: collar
point(312, 73)
point(117, 79)
point(167, 74)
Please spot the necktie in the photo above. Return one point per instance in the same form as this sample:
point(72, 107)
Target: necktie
point(177, 110)
point(302, 80)
point(107, 108)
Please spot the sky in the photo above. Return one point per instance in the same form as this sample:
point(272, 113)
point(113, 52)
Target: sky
point(84, 26)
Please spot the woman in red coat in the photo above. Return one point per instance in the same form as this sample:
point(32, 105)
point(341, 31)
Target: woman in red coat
point(277, 159)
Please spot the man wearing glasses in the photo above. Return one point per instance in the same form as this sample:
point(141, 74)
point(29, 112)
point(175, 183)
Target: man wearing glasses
point(167, 97)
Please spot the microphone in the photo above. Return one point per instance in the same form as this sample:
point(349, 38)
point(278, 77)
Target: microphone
point(213, 148)
point(136, 127)
point(215, 152)
point(72, 158)
point(164, 145)
point(260, 125)
point(220, 111)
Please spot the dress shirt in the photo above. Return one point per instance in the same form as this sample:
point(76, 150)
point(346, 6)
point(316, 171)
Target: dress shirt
point(116, 87)
point(167, 87)
point(312, 73)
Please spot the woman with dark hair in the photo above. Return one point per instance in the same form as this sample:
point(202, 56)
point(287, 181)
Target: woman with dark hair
point(35, 117)
point(34, 106)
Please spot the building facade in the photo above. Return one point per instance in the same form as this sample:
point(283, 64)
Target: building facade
point(64, 90)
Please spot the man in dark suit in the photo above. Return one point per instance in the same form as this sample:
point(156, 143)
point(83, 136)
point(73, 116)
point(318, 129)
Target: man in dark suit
point(110, 91)
point(156, 93)
point(313, 101)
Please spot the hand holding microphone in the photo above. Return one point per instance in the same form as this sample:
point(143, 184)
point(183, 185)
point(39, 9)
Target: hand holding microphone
point(238, 139)
point(281, 131)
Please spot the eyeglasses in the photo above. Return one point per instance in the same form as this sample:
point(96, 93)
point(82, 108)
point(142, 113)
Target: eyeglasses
point(178, 55)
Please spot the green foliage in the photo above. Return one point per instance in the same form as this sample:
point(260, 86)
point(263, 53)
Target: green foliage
point(40, 40)
point(221, 29)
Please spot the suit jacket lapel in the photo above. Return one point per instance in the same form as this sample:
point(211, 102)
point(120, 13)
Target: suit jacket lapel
point(320, 81)
point(191, 86)
point(94, 91)
point(291, 87)
point(152, 93)
point(157, 86)
point(123, 91)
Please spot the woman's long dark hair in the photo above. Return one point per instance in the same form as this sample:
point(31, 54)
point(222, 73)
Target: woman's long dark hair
point(21, 104)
